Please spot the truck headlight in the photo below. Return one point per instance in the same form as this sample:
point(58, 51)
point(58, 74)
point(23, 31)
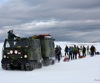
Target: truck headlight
point(11, 52)
point(15, 51)
point(25, 56)
point(4, 56)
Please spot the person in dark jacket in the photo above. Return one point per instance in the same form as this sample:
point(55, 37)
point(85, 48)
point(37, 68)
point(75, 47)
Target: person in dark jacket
point(66, 50)
point(70, 53)
point(84, 51)
point(58, 53)
point(78, 50)
point(11, 37)
point(92, 49)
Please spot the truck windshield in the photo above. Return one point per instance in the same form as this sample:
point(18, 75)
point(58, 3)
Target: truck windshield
point(16, 43)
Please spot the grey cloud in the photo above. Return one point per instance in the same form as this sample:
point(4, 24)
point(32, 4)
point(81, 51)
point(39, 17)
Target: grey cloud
point(72, 20)
point(61, 29)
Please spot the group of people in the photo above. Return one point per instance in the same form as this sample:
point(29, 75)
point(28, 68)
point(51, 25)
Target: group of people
point(74, 52)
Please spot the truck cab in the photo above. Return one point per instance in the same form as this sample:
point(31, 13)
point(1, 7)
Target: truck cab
point(21, 53)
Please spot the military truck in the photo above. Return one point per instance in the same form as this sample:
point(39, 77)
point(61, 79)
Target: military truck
point(22, 53)
point(28, 53)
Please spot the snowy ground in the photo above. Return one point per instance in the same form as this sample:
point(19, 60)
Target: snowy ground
point(86, 70)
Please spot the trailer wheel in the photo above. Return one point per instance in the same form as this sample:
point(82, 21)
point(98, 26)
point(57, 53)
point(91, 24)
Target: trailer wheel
point(46, 63)
point(53, 62)
point(39, 65)
point(29, 67)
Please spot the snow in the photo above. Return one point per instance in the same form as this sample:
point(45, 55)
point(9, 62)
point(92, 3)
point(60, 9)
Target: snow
point(86, 70)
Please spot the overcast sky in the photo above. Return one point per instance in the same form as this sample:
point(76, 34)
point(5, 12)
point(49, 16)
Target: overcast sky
point(66, 20)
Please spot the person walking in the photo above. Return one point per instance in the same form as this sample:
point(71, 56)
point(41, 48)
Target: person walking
point(92, 49)
point(87, 49)
point(66, 50)
point(78, 51)
point(84, 51)
point(75, 50)
point(58, 53)
point(70, 53)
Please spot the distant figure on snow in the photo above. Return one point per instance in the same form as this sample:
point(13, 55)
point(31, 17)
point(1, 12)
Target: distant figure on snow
point(87, 49)
point(84, 51)
point(92, 49)
point(58, 53)
point(66, 50)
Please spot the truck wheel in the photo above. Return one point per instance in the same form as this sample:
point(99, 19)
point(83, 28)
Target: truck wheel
point(22, 67)
point(4, 66)
point(8, 66)
point(29, 67)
